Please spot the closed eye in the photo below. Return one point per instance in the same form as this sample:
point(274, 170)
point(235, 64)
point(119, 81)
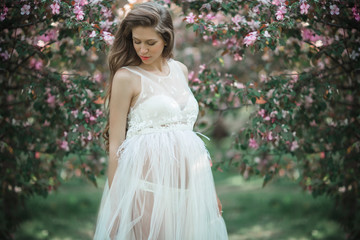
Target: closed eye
point(149, 43)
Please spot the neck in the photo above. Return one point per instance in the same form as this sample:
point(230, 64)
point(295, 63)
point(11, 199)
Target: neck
point(157, 66)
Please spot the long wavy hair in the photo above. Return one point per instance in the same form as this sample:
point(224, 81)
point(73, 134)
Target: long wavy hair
point(122, 52)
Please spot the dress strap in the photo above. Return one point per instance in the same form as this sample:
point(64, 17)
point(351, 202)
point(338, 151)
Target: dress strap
point(133, 70)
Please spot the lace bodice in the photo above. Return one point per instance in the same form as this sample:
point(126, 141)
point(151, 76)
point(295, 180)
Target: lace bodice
point(164, 103)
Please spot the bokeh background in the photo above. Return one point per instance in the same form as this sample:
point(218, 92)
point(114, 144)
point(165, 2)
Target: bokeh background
point(54, 165)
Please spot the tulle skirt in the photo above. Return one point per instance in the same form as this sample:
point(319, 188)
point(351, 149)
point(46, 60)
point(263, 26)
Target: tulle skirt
point(163, 188)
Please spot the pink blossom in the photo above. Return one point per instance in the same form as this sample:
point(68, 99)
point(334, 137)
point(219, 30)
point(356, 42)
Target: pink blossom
point(239, 85)
point(269, 136)
point(256, 9)
point(294, 77)
point(310, 35)
point(191, 75)
point(215, 42)
point(313, 123)
point(25, 10)
point(93, 34)
point(263, 78)
point(51, 100)
point(262, 113)
point(64, 145)
point(266, 34)
point(230, 42)
point(92, 118)
point(107, 13)
point(46, 123)
point(5, 55)
point(254, 24)
point(210, 16)
point(89, 93)
point(79, 12)
point(75, 113)
point(237, 57)
point(65, 78)
point(37, 64)
point(250, 38)
point(3, 13)
point(253, 144)
point(196, 80)
point(89, 137)
point(190, 18)
point(294, 146)
point(273, 114)
point(304, 7)
point(106, 24)
point(97, 77)
point(282, 9)
point(356, 13)
point(206, 6)
point(278, 2)
point(80, 16)
point(237, 19)
point(81, 2)
point(108, 37)
point(279, 15)
point(77, 9)
point(86, 113)
point(202, 67)
point(98, 112)
point(334, 10)
point(49, 35)
point(55, 7)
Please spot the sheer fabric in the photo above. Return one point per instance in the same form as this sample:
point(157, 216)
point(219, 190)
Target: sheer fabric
point(163, 187)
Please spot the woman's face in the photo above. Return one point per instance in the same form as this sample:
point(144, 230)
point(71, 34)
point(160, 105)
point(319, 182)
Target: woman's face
point(148, 44)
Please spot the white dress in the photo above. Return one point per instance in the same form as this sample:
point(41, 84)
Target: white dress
point(163, 187)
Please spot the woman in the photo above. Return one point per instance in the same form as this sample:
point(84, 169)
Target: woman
point(160, 184)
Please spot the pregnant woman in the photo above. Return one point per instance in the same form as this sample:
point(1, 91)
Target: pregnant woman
point(160, 184)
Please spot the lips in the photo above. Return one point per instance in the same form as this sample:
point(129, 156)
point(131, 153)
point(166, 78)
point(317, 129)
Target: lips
point(144, 58)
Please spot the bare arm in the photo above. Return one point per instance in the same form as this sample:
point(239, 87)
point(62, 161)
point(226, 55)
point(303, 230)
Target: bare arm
point(122, 91)
point(185, 70)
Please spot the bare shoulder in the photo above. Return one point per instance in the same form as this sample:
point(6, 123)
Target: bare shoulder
point(126, 79)
point(184, 68)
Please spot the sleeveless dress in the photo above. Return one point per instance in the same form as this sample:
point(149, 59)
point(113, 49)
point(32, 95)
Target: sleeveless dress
point(163, 187)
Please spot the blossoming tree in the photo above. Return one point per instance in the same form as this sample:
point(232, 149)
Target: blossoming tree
point(305, 86)
point(52, 77)
point(295, 62)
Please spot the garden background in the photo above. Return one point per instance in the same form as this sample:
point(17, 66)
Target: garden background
point(278, 88)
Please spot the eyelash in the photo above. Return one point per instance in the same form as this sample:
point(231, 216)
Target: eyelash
point(151, 44)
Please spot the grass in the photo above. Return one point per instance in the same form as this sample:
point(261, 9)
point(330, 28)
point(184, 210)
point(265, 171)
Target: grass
point(278, 211)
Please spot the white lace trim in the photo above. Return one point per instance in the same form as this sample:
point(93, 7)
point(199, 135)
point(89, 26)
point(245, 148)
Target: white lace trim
point(159, 128)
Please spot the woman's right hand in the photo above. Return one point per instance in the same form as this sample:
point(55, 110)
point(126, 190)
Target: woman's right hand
point(219, 205)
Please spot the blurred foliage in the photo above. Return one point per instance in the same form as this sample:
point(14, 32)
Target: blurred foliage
point(296, 72)
point(300, 72)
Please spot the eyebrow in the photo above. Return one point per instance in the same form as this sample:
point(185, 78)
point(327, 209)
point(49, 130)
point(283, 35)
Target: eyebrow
point(146, 40)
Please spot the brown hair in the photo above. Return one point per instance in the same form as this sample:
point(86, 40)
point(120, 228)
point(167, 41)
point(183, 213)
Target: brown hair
point(122, 52)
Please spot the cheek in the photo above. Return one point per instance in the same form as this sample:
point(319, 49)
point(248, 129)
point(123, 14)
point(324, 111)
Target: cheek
point(158, 48)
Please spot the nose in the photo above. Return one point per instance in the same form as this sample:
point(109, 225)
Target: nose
point(143, 49)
